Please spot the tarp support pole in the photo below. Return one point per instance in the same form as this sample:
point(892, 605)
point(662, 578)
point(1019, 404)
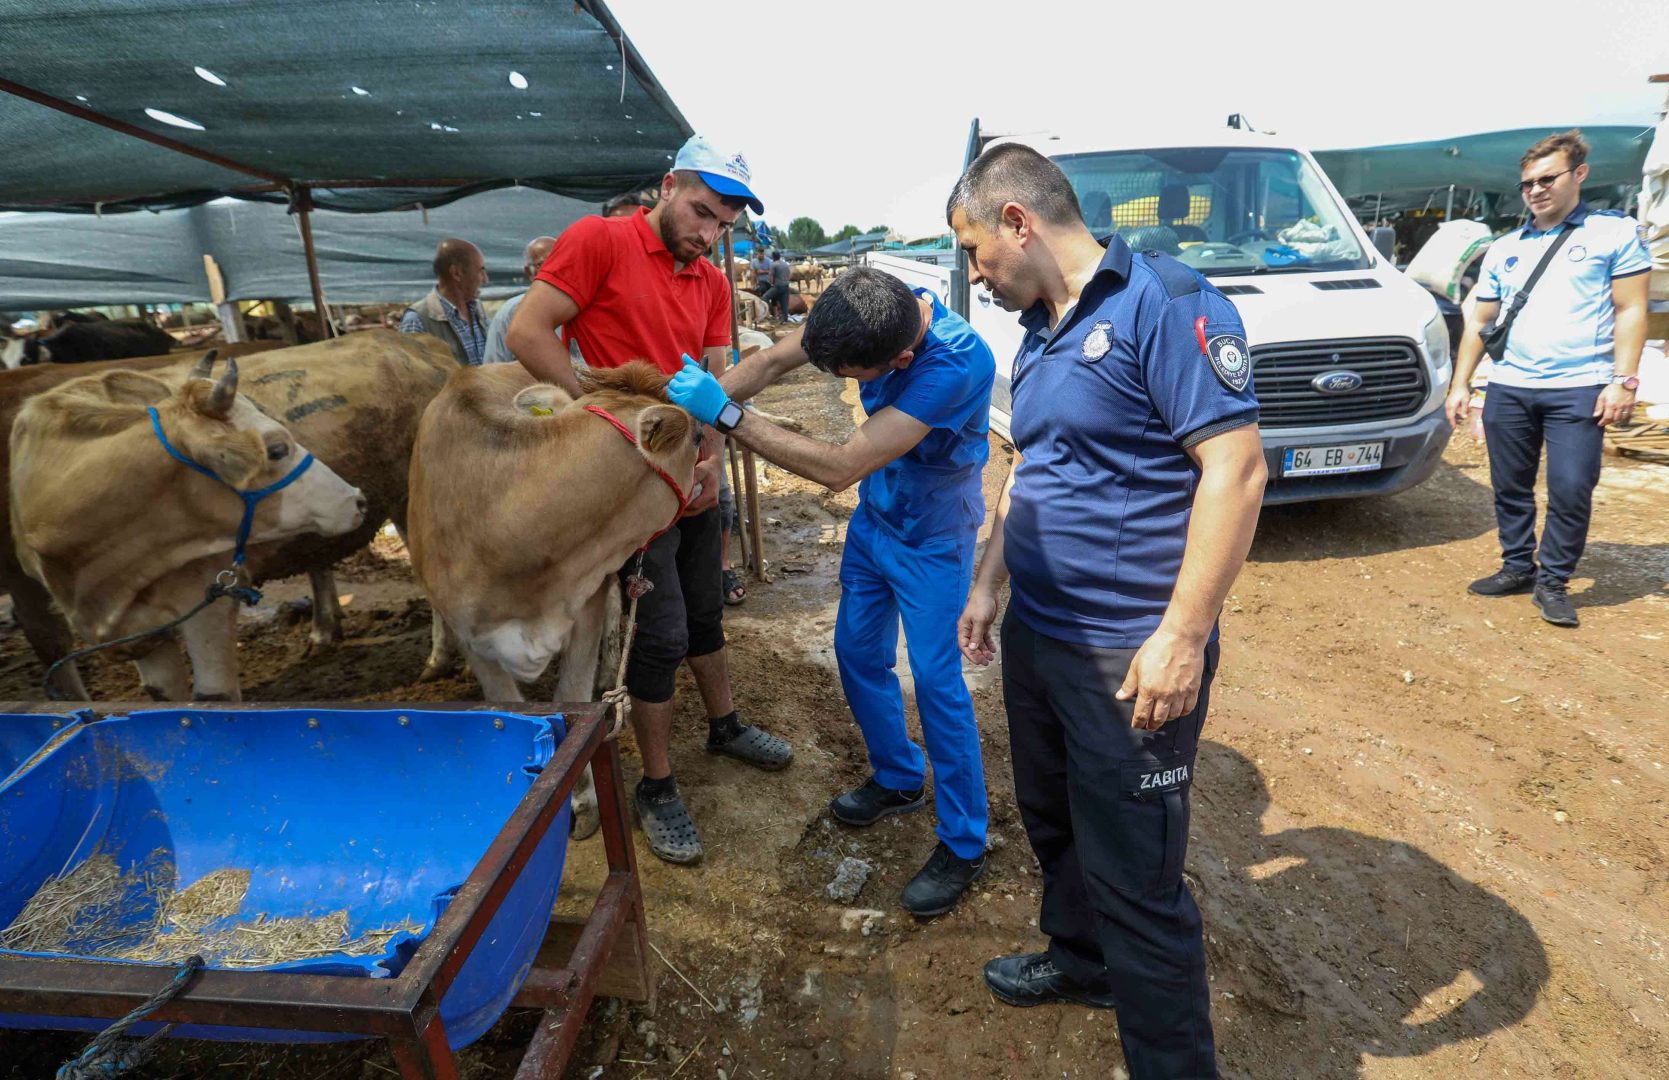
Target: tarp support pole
point(304, 209)
point(750, 475)
point(231, 319)
point(28, 94)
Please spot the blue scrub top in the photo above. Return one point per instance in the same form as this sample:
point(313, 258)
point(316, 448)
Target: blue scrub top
point(1152, 359)
point(934, 488)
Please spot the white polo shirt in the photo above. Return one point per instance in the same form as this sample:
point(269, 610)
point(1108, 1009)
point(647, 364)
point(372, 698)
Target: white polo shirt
point(1564, 336)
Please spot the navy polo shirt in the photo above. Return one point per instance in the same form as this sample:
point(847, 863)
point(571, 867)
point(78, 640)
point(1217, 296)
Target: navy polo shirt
point(1103, 406)
point(934, 487)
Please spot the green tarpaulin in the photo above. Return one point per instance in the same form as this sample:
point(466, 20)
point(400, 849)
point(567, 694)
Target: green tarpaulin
point(477, 95)
point(1486, 163)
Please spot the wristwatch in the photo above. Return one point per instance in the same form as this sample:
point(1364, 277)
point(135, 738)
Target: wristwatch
point(731, 415)
point(1627, 382)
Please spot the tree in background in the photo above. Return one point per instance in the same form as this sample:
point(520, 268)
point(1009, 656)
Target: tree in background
point(805, 233)
point(847, 232)
point(877, 228)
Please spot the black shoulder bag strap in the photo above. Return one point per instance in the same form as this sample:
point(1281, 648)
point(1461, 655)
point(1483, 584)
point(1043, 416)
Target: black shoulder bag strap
point(1495, 337)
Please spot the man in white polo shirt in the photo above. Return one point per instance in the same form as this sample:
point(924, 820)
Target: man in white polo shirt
point(1568, 370)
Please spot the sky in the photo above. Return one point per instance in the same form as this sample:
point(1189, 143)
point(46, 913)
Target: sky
point(861, 114)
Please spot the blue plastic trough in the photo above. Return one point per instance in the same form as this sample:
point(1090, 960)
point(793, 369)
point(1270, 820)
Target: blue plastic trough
point(379, 814)
point(23, 734)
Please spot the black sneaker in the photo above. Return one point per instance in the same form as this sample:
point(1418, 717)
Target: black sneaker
point(868, 804)
point(1504, 583)
point(941, 882)
point(1554, 604)
point(1029, 979)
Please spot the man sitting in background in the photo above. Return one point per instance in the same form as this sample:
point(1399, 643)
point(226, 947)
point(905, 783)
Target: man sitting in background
point(533, 257)
point(452, 310)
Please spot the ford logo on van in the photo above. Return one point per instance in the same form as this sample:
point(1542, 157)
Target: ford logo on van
point(1337, 382)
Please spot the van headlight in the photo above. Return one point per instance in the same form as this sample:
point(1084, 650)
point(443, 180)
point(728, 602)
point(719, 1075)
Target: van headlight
point(1436, 340)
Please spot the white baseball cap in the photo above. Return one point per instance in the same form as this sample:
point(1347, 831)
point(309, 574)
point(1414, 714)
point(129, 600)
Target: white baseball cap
point(727, 174)
point(25, 326)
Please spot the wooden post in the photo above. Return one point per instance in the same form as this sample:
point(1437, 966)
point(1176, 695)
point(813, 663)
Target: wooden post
point(304, 208)
point(231, 319)
point(755, 526)
point(286, 321)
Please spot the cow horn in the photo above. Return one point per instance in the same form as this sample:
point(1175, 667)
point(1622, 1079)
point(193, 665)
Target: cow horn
point(204, 368)
point(225, 390)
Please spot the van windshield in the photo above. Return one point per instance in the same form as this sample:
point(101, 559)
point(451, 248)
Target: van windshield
point(1221, 210)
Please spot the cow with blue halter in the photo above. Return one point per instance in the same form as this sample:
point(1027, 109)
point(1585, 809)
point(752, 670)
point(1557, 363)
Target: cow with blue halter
point(129, 492)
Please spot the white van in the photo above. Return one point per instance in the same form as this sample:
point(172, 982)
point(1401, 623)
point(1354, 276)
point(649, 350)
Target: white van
point(1350, 359)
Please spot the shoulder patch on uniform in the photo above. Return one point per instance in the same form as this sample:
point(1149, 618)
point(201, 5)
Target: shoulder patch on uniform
point(1177, 279)
point(1231, 358)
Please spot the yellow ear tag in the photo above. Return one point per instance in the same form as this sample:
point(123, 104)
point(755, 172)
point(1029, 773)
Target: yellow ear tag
point(537, 410)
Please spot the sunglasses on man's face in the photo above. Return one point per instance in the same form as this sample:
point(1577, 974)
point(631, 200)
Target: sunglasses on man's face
point(1540, 183)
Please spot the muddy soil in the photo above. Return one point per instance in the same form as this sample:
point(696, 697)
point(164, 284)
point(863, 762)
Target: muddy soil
point(1430, 834)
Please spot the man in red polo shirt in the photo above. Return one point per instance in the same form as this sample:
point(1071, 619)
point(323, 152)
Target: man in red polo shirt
point(637, 288)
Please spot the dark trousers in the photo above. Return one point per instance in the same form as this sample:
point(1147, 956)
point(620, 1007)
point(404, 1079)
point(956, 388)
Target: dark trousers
point(777, 294)
point(1517, 422)
point(683, 615)
point(1106, 810)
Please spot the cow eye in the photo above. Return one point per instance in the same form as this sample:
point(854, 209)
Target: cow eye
point(278, 451)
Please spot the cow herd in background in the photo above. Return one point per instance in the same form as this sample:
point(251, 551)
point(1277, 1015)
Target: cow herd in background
point(125, 481)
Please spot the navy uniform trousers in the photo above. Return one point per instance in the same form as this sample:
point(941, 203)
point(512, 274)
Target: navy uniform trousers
point(1106, 810)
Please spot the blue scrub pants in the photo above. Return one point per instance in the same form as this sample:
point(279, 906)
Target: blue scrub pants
point(1518, 421)
point(883, 580)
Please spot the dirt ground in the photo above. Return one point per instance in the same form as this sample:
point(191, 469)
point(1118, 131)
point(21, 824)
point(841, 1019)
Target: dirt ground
point(1430, 832)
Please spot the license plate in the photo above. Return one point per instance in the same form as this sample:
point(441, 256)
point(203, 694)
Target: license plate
point(1329, 460)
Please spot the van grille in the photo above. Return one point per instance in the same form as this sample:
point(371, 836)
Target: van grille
point(1347, 283)
point(1393, 381)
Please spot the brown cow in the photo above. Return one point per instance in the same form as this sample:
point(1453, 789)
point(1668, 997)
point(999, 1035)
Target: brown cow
point(44, 627)
point(523, 508)
point(354, 401)
point(122, 532)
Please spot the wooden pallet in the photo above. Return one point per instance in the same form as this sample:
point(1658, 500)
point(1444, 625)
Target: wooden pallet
point(1649, 437)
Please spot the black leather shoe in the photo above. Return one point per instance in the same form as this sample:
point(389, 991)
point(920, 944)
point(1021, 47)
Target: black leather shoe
point(1028, 979)
point(868, 804)
point(941, 882)
point(1504, 583)
point(1554, 604)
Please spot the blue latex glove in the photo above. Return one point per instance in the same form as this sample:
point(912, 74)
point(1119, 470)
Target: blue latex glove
point(697, 391)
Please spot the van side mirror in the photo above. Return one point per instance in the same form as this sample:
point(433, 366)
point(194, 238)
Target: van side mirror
point(1385, 242)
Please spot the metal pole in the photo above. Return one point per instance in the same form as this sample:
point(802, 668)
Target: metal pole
point(29, 94)
point(304, 207)
point(1449, 207)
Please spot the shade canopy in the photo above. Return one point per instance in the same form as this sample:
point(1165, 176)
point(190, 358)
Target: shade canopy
point(398, 104)
point(77, 260)
point(1485, 163)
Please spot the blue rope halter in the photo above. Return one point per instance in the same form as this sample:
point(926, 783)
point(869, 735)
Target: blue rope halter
point(250, 498)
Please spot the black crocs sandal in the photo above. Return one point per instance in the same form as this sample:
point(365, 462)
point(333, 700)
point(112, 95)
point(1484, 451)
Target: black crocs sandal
point(756, 748)
point(668, 827)
point(733, 584)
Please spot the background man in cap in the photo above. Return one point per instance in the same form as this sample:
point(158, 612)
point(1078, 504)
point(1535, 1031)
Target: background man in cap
point(638, 288)
point(533, 257)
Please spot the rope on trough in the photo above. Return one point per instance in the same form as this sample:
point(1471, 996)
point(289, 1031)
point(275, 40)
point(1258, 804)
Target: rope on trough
point(620, 698)
point(105, 1058)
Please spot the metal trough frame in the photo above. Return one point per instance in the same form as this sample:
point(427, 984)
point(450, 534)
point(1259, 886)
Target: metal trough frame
point(406, 1010)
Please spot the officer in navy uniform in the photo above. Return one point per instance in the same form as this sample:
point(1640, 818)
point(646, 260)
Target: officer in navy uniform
point(1129, 512)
